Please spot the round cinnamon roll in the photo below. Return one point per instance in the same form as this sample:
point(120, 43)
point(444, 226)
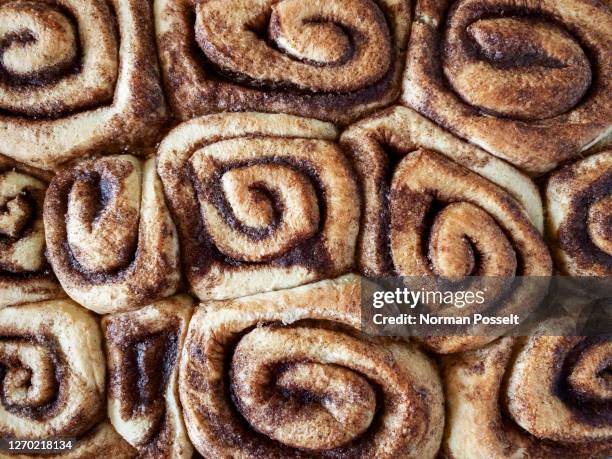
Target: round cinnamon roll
point(76, 76)
point(539, 396)
point(286, 374)
point(262, 202)
point(579, 205)
point(437, 207)
point(528, 81)
point(25, 275)
point(328, 59)
point(110, 239)
point(142, 349)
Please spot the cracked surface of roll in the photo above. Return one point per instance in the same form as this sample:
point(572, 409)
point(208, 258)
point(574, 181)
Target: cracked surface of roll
point(541, 396)
point(25, 275)
point(286, 374)
point(579, 205)
point(143, 350)
point(527, 81)
point(436, 206)
point(328, 59)
point(52, 378)
point(110, 239)
point(76, 77)
point(262, 202)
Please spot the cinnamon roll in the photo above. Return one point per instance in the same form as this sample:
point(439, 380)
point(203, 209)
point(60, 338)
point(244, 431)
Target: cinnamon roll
point(76, 76)
point(579, 205)
point(262, 202)
point(286, 374)
point(143, 351)
point(438, 207)
point(25, 275)
point(52, 377)
point(110, 238)
point(528, 81)
point(539, 396)
point(333, 60)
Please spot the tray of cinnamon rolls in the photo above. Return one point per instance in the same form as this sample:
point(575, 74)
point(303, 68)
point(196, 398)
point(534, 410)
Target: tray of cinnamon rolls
point(192, 193)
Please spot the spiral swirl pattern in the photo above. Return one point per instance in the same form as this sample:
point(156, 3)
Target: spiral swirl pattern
point(75, 77)
point(286, 374)
point(52, 379)
point(143, 350)
point(527, 81)
point(437, 207)
point(262, 202)
point(110, 238)
point(332, 60)
point(542, 396)
point(579, 204)
point(24, 273)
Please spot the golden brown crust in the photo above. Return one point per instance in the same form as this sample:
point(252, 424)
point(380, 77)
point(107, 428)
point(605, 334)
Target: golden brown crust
point(449, 213)
point(529, 82)
point(110, 238)
point(579, 206)
point(304, 58)
point(143, 349)
point(537, 397)
point(25, 275)
point(77, 77)
point(261, 201)
point(286, 374)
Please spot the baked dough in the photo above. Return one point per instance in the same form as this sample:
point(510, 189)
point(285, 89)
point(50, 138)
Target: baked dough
point(528, 81)
point(333, 60)
point(262, 202)
point(286, 374)
point(110, 238)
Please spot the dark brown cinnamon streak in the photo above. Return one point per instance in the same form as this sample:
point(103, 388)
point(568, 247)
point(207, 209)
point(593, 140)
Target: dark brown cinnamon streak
point(262, 202)
point(286, 374)
point(332, 60)
point(527, 81)
point(76, 77)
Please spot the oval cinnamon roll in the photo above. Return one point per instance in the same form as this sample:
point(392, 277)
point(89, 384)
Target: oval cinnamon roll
point(579, 204)
point(262, 202)
point(286, 374)
point(76, 76)
point(110, 238)
point(527, 81)
point(333, 60)
point(437, 207)
point(25, 275)
point(143, 350)
point(542, 396)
